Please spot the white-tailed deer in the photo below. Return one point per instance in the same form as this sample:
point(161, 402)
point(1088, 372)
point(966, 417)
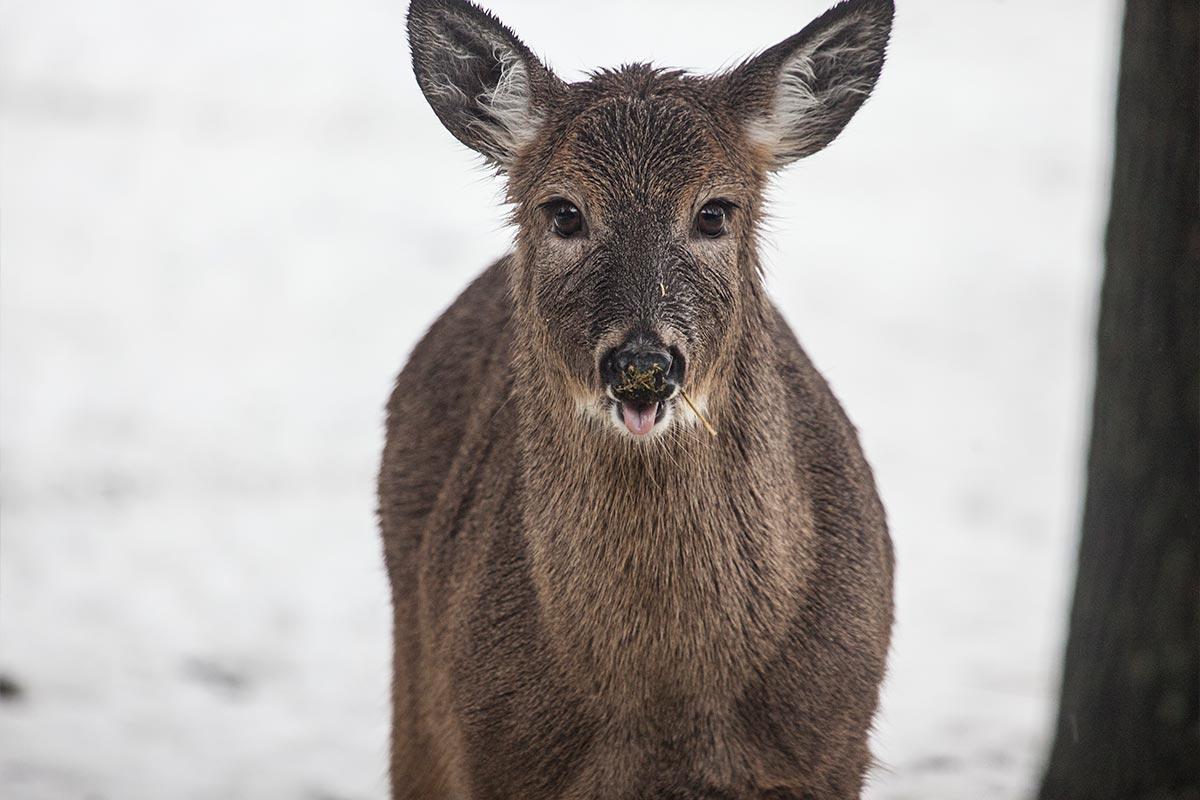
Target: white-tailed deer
point(596, 597)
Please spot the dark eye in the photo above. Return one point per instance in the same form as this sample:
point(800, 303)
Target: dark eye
point(568, 221)
point(711, 220)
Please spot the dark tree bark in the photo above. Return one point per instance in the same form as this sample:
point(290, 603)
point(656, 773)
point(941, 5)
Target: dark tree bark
point(1128, 720)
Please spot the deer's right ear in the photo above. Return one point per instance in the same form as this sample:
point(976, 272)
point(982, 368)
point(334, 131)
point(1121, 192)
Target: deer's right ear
point(483, 83)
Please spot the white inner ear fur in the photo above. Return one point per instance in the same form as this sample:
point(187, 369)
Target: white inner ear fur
point(514, 122)
point(794, 124)
point(510, 104)
point(791, 112)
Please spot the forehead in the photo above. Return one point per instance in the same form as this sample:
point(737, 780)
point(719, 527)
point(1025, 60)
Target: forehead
point(644, 142)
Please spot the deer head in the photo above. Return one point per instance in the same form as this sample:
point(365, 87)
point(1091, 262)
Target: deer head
point(637, 195)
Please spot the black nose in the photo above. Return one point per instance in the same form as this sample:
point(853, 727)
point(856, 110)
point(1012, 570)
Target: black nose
point(641, 372)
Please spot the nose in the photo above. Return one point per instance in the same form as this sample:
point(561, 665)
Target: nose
point(641, 372)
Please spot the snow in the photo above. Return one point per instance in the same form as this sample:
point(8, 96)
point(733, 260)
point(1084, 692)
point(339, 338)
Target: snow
point(225, 224)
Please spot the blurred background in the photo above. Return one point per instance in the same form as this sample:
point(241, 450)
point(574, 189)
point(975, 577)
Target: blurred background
point(226, 223)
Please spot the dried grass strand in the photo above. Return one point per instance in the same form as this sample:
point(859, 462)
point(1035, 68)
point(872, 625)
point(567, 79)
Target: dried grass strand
point(707, 425)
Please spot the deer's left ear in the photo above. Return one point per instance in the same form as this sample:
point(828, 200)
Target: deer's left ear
point(796, 97)
point(483, 83)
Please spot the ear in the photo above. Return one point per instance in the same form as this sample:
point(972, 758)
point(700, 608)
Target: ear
point(796, 97)
point(483, 83)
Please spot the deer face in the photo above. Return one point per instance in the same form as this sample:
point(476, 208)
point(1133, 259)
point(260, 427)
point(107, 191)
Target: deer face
point(635, 227)
point(636, 193)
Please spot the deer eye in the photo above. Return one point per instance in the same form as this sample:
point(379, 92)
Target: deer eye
point(711, 221)
point(565, 217)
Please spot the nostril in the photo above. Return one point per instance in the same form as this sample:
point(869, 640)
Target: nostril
point(649, 360)
point(677, 366)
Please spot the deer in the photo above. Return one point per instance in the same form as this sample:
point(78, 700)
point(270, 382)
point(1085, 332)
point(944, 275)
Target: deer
point(634, 546)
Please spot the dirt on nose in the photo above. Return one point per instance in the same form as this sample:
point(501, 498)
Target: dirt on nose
point(642, 385)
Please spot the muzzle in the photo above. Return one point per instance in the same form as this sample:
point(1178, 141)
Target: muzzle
point(642, 375)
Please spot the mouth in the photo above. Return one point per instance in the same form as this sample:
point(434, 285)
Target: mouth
point(639, 418)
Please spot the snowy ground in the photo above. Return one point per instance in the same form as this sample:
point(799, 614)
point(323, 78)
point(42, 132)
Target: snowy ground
point(226, 222)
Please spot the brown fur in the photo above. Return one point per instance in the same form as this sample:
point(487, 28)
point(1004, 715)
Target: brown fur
point(582, 615)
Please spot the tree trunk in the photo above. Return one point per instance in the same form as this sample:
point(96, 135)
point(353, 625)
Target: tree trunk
point(1128, 725)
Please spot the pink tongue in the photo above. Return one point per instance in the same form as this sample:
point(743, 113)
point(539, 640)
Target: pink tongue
point(639, 421)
